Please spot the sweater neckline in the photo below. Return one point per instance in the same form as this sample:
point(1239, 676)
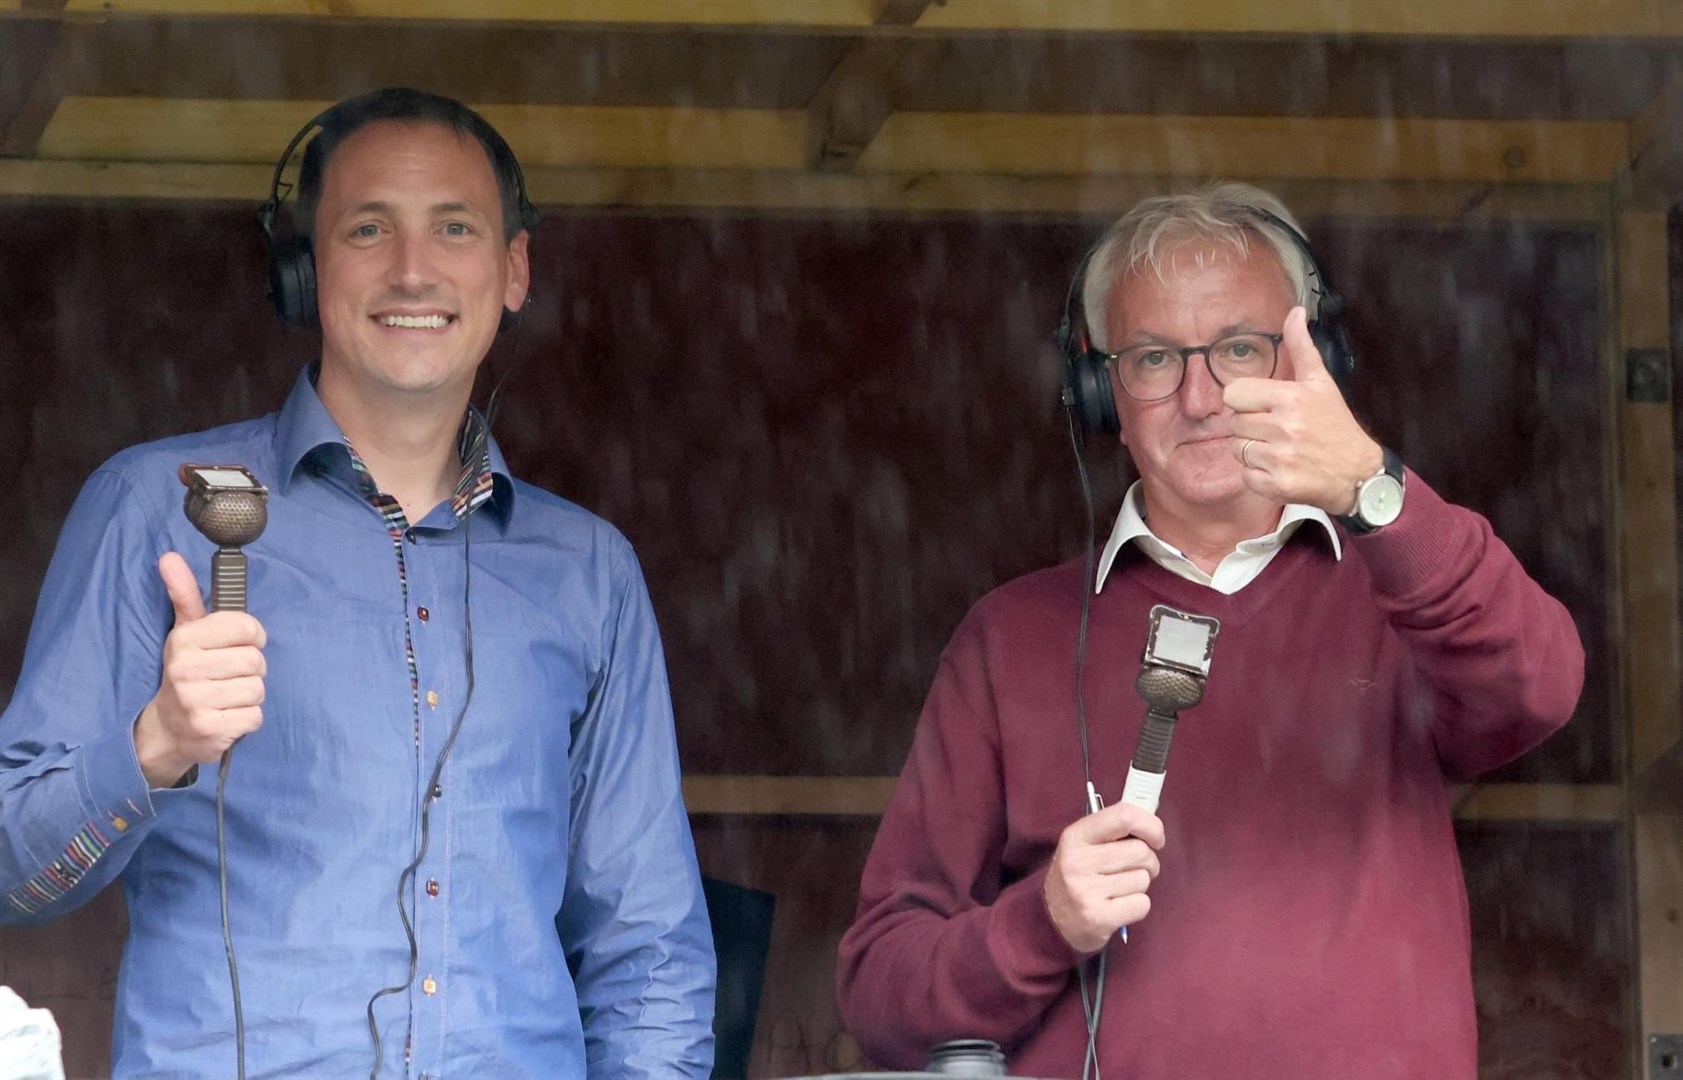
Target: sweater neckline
point(1302, 550)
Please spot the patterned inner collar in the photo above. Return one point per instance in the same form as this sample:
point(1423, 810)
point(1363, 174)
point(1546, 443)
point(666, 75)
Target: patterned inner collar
point(473, 486)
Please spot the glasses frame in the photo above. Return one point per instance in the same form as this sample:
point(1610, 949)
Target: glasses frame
point(1109, 359)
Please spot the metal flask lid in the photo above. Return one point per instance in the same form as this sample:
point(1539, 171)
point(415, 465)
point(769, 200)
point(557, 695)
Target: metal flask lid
point(967, 1057)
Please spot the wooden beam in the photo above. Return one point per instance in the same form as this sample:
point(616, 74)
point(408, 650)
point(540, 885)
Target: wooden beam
point(1657, 19)
point(154, 129)
point(1341, 148)
point(1659, 788)
point(829, 194)
point(1656, 147)
point(815, 13)
point(1591, 804)
point(1648, 584)
point(485, 63)
point(269, 59)
point(1483, 18)
point(637, 137)
point(848, 795)
point(849, 109)
point(1647, 610)
point(899, 12)
point(1658, 845)
point(21, 129)
point(1256, 148)
point(1602, 804)
point(855, 100)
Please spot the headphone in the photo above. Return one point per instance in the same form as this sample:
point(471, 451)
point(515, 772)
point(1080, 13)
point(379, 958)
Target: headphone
point(1087, 391)
point(292, 263)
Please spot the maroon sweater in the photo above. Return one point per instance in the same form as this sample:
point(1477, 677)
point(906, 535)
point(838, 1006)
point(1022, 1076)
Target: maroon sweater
point(1311, 918)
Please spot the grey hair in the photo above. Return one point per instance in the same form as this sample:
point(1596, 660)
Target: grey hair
point(1143, 239)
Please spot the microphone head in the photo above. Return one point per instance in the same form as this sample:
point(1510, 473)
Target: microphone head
point(228, 518)
point(225, 503)
point(1168, 689)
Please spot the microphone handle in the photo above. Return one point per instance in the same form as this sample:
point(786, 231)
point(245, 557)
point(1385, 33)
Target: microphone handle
point(1151, 761)
point(227, 593)
point(227, 580)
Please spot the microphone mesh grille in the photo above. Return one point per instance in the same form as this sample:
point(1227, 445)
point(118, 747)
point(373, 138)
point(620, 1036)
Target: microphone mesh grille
point(1169, 689)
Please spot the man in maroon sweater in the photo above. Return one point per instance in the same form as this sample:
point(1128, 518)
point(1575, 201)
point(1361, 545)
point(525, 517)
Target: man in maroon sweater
point(1297, 902)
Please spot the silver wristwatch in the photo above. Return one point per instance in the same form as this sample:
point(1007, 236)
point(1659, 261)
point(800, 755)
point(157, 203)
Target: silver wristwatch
point(1379, 498)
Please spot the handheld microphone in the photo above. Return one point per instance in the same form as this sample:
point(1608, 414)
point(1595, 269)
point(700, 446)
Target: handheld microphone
point(1177, 661)
point(231, 509)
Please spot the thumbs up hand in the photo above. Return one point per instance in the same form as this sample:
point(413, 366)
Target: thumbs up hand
point(212, 687)
point(1294, 436)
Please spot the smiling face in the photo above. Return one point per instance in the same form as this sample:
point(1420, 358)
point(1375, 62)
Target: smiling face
point(412, 272)
point(1182, 445)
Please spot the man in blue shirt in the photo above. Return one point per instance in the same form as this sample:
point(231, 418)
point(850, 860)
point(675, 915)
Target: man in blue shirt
point(442, 666)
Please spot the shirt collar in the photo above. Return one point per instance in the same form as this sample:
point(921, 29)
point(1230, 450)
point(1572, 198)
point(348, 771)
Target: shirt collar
point(1130, 525)
point(305, 424)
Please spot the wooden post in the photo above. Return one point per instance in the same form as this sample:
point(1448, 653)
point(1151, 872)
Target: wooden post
point(1648, 560)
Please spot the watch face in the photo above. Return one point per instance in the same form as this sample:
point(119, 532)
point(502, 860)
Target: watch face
point(1380, 501)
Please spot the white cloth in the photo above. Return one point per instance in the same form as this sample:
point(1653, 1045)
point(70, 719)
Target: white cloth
point(1238, 569)
point(30, 1048)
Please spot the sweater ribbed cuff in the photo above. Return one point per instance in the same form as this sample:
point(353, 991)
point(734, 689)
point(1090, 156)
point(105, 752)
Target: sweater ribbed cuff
point(1031, 950)
point(1409, 551)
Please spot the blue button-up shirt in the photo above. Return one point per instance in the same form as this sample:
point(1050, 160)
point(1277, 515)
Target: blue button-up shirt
point(558, 911)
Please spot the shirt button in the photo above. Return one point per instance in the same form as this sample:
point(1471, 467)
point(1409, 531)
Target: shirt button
point(438, 791)
point(429, 985)
point(432, 699)
point(423, 613)
point(409, 535)
point(432, 886)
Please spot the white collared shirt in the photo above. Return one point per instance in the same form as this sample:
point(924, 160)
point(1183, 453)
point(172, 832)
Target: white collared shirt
point(1238, 569)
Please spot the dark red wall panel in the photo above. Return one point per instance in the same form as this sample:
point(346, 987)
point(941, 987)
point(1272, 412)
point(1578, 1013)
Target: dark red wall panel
point(827, 437)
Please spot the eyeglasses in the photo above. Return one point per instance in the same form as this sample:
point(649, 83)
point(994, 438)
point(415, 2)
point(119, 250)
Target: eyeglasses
point(1154, 372)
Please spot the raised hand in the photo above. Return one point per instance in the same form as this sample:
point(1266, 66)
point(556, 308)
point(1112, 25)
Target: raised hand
point(212, 687)
point(1296, 437)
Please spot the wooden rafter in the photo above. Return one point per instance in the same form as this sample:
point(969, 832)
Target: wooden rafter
point(40, 82)
point(1602, 804)
point(1656, 135)
point(1519, 19)
point(855, 101)
point(781, 192)
point(849, 109)
point(148, 129)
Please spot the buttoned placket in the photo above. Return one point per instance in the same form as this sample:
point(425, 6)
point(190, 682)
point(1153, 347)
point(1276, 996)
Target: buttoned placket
point(435, 583)
point(418, 552)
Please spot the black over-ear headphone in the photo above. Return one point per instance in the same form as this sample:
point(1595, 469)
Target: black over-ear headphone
point(292, 263)
point(1087, 390)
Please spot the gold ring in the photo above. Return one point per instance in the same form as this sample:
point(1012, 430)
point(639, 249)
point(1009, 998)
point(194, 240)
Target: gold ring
point(1245, 452)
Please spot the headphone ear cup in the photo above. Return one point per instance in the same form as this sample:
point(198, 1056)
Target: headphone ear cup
point(292, 281)
point(1334, 344)
point(1087, 391)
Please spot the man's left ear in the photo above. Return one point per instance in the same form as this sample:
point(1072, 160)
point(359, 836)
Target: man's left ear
point(519, 292)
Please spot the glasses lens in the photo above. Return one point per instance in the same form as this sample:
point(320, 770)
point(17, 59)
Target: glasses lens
point(1244, 356)
point(1149, 372)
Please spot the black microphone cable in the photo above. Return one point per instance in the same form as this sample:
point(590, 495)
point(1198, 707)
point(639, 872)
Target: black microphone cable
point(1092, 1002)
point(480, 445)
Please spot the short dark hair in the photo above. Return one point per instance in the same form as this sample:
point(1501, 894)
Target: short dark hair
point(402, 104)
